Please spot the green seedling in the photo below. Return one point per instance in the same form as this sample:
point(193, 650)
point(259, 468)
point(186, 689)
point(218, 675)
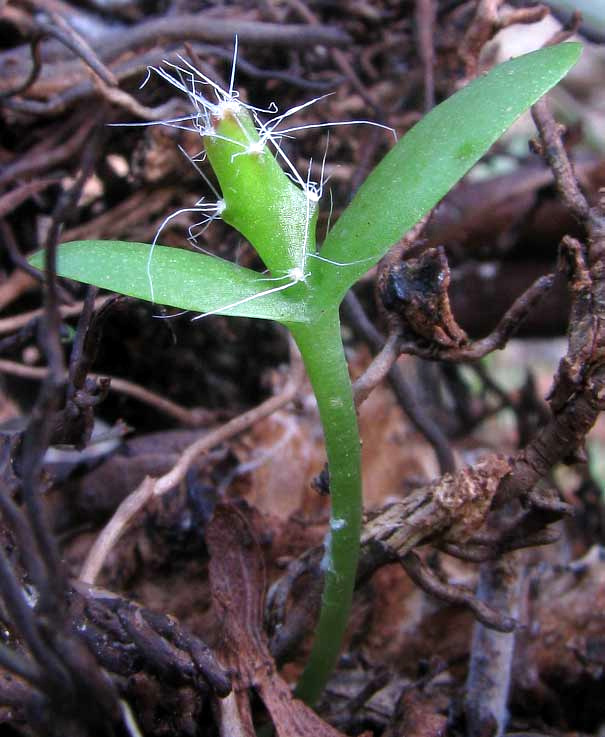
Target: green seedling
point(275, 209)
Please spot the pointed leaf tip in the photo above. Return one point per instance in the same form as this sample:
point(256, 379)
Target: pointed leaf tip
point(433, 155)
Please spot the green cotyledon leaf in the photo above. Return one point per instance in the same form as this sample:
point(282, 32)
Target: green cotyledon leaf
point(189, 281)
point(261, 201)
point(426, 163)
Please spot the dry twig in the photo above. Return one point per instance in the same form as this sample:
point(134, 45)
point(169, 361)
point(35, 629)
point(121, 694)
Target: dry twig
point(377, 370)
point(489, 677)
point(184, 415)
point(16, 322)
point(156, 487)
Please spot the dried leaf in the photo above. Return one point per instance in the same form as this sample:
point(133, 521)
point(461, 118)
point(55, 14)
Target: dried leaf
point(237, 582)
point(416, 291)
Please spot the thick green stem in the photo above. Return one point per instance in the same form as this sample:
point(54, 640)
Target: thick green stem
point(321, 347)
